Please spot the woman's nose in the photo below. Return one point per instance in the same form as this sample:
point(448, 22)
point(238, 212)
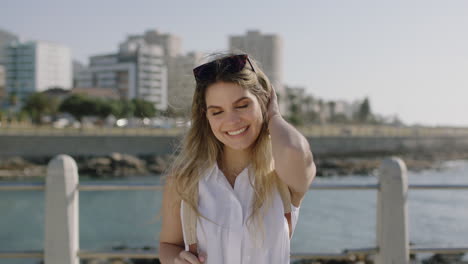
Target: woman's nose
point(233, 117)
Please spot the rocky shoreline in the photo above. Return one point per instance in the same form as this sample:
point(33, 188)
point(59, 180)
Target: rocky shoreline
point(114, 165)
point(458, 258)
point(366, 165)
point(434, 259)
point(117, 165)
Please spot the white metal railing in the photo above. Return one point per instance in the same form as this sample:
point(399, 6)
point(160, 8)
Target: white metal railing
point(61, 216)
point(14, 186)
point(318, 130)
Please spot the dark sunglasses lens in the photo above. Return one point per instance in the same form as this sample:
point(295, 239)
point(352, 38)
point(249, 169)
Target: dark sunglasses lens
point(204, 72)
point(236, 63)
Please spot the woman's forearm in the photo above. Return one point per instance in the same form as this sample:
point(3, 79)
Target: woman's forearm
point(168, 252)
point(291, 152)
point(284, 135)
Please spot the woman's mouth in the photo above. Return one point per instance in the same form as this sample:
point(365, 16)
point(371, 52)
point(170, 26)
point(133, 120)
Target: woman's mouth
point(238, 132)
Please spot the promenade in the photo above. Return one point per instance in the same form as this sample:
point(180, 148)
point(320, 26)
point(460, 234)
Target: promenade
point(324, 140)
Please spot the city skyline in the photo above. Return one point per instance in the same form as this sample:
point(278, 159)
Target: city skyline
point(410, 59)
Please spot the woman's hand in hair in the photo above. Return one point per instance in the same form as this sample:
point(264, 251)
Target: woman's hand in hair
point(273, 108)
point(186, 257)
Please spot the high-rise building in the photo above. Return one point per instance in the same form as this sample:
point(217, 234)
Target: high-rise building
point(179, 85)
point(171, 44)
point(181, 81)
point(136, 71)
point(2, 84)
point(37, 66)
point(267, 49)
point(6, 38)
point(77, 68)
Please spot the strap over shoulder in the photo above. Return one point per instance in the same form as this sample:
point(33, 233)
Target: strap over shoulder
point(189, 222)
point(283, 190)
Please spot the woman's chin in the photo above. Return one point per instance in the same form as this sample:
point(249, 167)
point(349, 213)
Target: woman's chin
point(238, 147)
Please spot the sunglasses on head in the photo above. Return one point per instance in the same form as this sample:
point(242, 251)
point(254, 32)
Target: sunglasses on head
point(231, 64)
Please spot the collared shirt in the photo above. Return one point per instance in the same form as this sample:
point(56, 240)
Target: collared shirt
point(228, 238)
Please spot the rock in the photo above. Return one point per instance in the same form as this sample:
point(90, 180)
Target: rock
point(17, 167)
point(124, 164)
point(159, 164)
point(445, 259)
point(146, 261)
point(106, 261)
point(327, 262)
point(15, 163)
point(346, 166)
point(96, 261)
point(97, 166)
point(116, 165)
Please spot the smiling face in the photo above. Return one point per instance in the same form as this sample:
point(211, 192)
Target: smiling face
point(234, 115)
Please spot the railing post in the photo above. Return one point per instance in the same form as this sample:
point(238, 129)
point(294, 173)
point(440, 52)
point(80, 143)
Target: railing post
point(392, 212)
point(61, 212)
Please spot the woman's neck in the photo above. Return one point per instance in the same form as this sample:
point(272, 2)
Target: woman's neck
point(234, 161)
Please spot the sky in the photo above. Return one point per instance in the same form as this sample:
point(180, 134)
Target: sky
point(410, 57)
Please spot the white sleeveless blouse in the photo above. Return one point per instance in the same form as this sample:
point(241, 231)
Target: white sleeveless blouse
point(227, 240)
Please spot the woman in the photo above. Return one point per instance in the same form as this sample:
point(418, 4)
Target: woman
point(237, 154)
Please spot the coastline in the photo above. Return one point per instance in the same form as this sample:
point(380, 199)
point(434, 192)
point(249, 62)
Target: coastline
point(119, 165)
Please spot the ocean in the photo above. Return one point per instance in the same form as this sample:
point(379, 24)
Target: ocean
point(329, 221)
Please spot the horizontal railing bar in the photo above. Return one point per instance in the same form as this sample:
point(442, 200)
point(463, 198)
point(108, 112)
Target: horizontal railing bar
point(120, 187)
point(346, 254)
point(151, 255)
point(22, 254)
point(330, 256)
point(438, 186)
point(143, 186)
point(23, 186)
point(82, 254)
point(361, 251)
point(439, 250)
point(344, 186)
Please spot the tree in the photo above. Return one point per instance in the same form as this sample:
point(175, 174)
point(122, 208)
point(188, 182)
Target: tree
point(122, 108)
point(38, 104)
point(364, 113)
point(143, 108)
point(332, 107)
point(295, 115)
point(340, 118)
point(78, 105)
point(12, 98)
point(102, 107)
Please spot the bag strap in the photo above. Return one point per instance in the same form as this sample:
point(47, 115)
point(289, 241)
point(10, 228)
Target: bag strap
point(286, 198)
point(189, 220)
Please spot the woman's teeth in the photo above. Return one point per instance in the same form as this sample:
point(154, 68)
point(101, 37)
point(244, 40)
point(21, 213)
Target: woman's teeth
point(237, 132)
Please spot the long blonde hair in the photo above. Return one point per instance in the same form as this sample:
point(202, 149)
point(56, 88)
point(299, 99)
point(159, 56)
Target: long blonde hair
point(200, 149)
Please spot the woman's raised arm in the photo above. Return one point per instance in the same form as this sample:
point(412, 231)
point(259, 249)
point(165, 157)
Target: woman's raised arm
point(293, 158)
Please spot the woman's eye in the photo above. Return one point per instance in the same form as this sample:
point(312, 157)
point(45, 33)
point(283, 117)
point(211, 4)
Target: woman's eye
point(243, 106)
point(217, 113)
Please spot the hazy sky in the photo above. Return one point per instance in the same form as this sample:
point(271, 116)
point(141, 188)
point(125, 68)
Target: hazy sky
point(410, 57)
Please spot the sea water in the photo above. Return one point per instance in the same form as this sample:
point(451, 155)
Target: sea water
point(329, 220)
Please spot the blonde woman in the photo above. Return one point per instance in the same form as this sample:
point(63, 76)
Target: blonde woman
point(237, 156)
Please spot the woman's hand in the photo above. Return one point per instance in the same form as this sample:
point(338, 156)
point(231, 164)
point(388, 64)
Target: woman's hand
point(186, 257)
point(273, 108)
